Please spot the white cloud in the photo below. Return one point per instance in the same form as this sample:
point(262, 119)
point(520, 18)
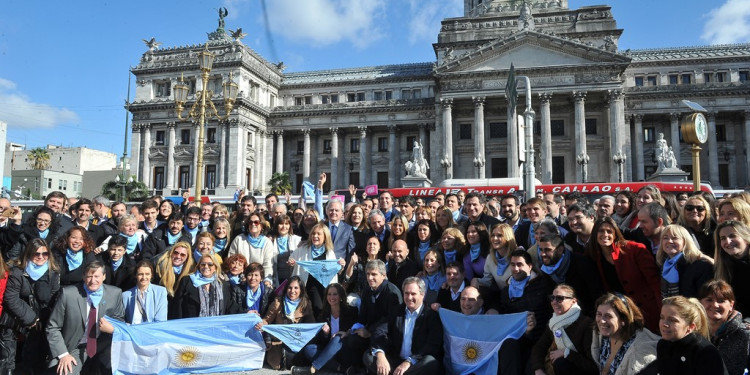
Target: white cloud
point(426, 16)
point(729, 23)
point(18, 110)
point(325, 22)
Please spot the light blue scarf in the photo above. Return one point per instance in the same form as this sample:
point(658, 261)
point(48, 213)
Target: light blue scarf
point(172, 238)
point(193, 232)
point(253, 299)
point(424, 247)
point(36, 272)
point(132, 242)
point(434, 282)
point(515, 288)
point(474, 251)
point(199, 280)
point(43, 234)
point(282, 243)
point(450, 256)
point(257, 242)
point(94, 297)
point(669, 271)
point(74, 259)
point(220, 244)
point(177, 269)
point(234, 279)
point(116, 264)
point(317, 251)
point(502, 264)
point(550, 269)
point(290, 306)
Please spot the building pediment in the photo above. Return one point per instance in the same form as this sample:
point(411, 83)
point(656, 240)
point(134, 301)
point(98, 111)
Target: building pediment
point(528, 50)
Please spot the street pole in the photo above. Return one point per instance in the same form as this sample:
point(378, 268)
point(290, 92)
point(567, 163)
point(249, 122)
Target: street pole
point(529, 168)
point(125, 143)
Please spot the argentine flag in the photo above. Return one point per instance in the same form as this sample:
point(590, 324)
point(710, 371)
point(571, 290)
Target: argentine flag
point(472, 341)
point(188, 346)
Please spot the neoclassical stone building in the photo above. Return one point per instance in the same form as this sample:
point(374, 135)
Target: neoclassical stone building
point(359, 124)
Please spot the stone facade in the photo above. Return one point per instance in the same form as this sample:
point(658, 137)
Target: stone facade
point(358, 124)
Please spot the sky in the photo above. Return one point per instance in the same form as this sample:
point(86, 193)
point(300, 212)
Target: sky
point(64, 66)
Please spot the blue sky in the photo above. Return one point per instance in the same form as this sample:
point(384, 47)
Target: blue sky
point(64, 65)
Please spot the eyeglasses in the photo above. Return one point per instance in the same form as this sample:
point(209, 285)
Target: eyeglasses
point(690, 207)
point(255, 222)
point(559, 299)
point(193, 219)
point(206, 264)
point(43, 221)
point(181, 255)
point(43, 254)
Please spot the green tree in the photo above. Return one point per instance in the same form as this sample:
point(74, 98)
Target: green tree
point(135, 191)
point(39, 158)
point(280, 183)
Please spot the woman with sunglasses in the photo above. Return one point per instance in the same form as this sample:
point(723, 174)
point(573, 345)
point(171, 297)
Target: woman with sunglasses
point(620, 344)
point(72, 251)
point(697, 218)
point(728, 332)
point(172, 267)
point(255, 246)
point(291, 308)
point(683, 267)
point(732, 261)
point(563, 346)
point(33, 283)
point(203, 293)
point(285, 242)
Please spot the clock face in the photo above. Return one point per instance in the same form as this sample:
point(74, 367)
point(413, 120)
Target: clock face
point(701, 128)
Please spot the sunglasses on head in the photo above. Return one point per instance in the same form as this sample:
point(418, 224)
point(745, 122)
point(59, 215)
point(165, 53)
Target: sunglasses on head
point(690, 207)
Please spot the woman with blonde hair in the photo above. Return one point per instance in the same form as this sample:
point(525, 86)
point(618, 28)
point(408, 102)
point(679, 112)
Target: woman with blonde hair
point(734, 209)
point(173, 265)
point(453, 245)
point(684, 347)
point(696, 217)
point(444, 219)
point(732, 261)
point(683, 267)
point(318, 247)
point(222, 231)
point(496, 268)
point(399, 230)
point(203, 293)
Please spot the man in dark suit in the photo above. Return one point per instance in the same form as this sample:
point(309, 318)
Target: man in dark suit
point(378, 227)
point(341, 232)
point(73, 330)
point(581, 217)
point(412, 341)
point(164, 236)
point(400, 266)
point(450, 298)
point(474, 205)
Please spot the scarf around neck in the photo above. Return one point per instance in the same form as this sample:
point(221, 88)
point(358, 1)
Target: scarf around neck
point(450, 256)
point(289, 305)
point(502, 264)
point(474, 251)
point(253, 299)
point(172, 238)
point(132, 242)
point(516, 288)
point(257, 242)
point(74, 259)
point(199, 280)
point(558, 323)
point(94, 297)
point(317, 251)
point(423, 248)
point(282, 243)
point(220, 244)
point(36, 272)
point(43, 234)
point(559, 270)
point(669, 270)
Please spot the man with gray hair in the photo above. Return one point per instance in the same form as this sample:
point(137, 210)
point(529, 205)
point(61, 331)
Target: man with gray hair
point(378, 229)
point(101, 209)
point(342, 235)
point(412, 340)
point(380, 300)
point(606, 206)
point(652, 219)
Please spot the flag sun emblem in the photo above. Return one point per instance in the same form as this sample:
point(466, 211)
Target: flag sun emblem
point(187, 356)
point(472, 352)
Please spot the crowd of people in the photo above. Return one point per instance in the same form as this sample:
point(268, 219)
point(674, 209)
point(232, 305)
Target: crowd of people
point(641, 282)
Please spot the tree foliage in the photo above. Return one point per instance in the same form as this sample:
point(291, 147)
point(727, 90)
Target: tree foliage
point(135, 191)
point(39, 158)
point(280, 183)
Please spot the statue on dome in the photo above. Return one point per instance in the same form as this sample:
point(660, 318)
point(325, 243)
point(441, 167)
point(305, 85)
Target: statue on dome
point(419, 167)
point(222, 14)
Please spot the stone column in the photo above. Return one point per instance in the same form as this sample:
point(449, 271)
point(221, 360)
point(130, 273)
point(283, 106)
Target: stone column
point(258, 152)
point(674, 130)
point(638, 157)
point(306, 155)
point(171, 126)
point(267, 160)
point(713, 150)
point(147, 155)
point(580, 121)
point(194, 167)
point(479, 153)
point(221, 131)
point(135, 152)
point(747, 147)
point(616, 125)
point(447, 160)
point(514, 169)
point(546, 135)
point(334, 158)
point(279, 151)
point(363, 157)
point(423, 135)
point(393, 167)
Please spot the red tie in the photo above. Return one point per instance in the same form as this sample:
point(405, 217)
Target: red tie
point(91, 333)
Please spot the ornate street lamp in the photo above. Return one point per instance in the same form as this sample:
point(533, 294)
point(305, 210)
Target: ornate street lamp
point(198, 110)
point(582, 159)
point(619, 159)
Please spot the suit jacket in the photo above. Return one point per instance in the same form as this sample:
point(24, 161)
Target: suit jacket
point(485, 219)
point(156, 304)
point(344, 244)
point(397, 274)
point(95, 232)
point(426, 338)
point(67, 323)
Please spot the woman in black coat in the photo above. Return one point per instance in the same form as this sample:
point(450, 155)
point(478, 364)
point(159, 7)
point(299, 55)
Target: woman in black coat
point(251, 295)
point(33, 283)
point(72, 251)
point(217, 300)
point(685, 348)
point(42, 224)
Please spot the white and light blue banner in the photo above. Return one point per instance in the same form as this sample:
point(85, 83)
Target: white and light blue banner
point(295, 336)
point(188, 346)
point(322, 270)
point(472, 341)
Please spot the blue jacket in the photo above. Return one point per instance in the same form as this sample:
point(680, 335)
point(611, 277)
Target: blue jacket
point(156, 304)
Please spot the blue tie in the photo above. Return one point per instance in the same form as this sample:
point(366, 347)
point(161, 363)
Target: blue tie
point(334, 230)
